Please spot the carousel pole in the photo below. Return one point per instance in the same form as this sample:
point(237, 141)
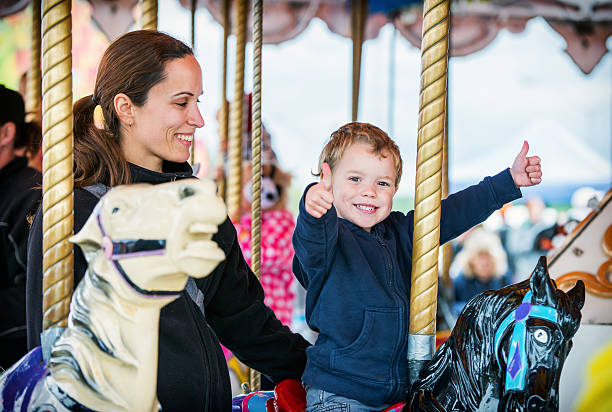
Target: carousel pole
point(223, 126)
point(33, 87)
point(148, 14)
point(193, 35)
point(426, 238)
point(255, 377)
point(236, 116)
point(359, 14)
point(447, 248)
point(58, 276)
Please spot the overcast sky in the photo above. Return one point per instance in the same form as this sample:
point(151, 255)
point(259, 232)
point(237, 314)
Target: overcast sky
point(522, 86)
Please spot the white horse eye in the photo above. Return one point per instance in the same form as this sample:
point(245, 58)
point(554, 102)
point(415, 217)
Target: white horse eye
point(541, 335)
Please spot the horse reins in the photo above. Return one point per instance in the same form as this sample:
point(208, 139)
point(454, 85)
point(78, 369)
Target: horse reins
point(516, 368)
point(114, 250)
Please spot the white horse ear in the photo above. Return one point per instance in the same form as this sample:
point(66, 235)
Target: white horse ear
point(576, 294)
point(542, 286)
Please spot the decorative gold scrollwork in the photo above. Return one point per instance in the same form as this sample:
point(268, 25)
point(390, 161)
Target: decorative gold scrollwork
point(599, 284)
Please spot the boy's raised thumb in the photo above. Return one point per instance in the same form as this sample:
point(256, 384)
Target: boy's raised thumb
point(524, 149)
point(326, 176)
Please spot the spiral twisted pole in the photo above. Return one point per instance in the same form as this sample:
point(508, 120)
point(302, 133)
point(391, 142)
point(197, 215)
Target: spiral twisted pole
point(236, 115)
point(223, 126)
point(33, 86)
point(148, 14)
point(447, 248)
point(256, 157)
point(58, 277)
point(426, 238)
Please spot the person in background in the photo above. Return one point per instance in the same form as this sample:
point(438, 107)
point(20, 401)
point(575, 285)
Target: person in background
point(483, 265)
point(18, 200)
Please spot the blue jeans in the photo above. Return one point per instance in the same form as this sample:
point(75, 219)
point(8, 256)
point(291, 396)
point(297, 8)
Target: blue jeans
point(318, 400)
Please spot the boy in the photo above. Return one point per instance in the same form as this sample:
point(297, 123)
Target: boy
point(353, 255)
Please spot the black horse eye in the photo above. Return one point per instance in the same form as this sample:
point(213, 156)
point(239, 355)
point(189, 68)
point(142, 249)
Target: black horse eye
point(186, 191)
point(115, 210)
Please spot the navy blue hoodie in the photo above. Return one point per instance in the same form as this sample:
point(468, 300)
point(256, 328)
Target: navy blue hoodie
point(358, 290)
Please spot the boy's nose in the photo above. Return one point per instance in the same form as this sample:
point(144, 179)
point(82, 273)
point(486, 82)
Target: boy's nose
point(369, 190)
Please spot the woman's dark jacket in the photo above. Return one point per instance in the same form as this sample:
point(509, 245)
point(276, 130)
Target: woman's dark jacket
point(192, 374)
point(18, 200)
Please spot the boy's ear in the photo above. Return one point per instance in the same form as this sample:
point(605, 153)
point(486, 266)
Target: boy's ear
point(7, 133)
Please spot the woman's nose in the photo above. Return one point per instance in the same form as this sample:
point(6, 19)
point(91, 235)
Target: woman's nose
point(195, 118)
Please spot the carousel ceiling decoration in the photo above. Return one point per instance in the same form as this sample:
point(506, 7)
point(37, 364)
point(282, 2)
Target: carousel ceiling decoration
point(584, 24)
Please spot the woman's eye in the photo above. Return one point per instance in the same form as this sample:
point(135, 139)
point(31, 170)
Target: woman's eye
point(541, 335)
point(184, 104)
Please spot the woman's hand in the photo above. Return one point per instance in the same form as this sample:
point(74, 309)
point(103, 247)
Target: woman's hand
point(319, 198)
point(526, 171)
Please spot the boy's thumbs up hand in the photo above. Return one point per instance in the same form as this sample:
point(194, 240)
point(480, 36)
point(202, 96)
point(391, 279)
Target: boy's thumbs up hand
point(526, 171)
point(319, 198)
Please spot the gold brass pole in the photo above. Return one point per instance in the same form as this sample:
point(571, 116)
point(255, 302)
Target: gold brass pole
point(223, 121)
point(236, 116)
point(426, 238)
point(58, 276)
point(33, 87)
point(447, 248)
point(359, 14)
point(148, 14)
point(256, 157)
point(193, 35)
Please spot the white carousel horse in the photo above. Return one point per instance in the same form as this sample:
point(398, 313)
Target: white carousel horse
point(142, 243)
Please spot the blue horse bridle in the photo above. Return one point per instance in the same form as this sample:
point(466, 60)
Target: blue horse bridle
point(516, 368)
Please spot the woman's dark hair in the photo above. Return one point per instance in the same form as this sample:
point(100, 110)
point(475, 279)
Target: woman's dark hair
point(132, 65)
point(28, 135)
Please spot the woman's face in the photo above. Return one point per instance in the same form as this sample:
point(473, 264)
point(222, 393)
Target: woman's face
point(164, 126)
point(483, 266)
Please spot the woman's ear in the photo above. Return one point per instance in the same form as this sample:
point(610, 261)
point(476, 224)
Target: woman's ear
point(7, 134)
point(124, 108)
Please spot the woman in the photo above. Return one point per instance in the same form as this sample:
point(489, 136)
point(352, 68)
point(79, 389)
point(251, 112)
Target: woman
point(483, 265)
point(18, 200)
point(147, 87)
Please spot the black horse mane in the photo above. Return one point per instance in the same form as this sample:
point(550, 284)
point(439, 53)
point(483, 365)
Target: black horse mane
point(463, 364)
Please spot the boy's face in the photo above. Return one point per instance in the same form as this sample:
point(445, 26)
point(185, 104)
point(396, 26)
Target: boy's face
point(363, 185)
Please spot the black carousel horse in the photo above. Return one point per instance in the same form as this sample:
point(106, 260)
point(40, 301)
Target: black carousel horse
point(505, 352)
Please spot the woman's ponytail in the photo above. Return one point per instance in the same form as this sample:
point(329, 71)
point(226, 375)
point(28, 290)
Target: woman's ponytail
point(97, 152)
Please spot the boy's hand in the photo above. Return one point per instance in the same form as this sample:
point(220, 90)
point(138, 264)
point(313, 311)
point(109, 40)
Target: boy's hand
point(319, 198)
point(526, 171)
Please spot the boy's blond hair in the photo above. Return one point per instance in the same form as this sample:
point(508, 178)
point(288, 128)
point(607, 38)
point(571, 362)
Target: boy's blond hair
point(353, 133)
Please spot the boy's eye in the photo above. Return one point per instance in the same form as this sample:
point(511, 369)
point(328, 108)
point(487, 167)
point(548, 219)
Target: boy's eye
point(354, 179)
point(383, 184)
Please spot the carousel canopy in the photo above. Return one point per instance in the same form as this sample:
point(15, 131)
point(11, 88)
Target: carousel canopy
point(584, 24)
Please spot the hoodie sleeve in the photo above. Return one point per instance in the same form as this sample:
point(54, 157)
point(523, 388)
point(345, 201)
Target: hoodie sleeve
point(468, 207)
point(314, 241)
point(236, 311)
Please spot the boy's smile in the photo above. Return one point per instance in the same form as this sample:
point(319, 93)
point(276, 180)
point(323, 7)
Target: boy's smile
point(363, 185)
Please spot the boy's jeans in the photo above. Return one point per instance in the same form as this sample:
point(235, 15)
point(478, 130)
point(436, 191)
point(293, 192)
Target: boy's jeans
point(318, 400)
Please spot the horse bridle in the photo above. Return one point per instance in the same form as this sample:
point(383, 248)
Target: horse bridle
point(516, 368)
point(130, 248)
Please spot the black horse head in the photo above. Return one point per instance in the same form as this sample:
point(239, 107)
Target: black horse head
point(533, 341)
point(506, 350)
